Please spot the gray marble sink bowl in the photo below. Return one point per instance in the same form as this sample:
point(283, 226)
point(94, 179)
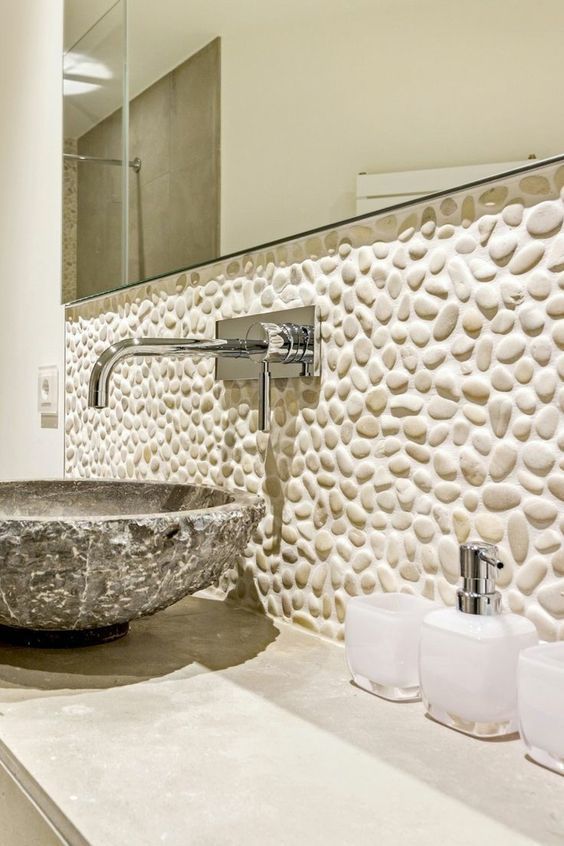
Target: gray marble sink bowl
point(80, 559)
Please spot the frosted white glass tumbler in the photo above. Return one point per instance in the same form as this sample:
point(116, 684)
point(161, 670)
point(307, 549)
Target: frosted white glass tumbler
point(382, 643)
point(540, 694)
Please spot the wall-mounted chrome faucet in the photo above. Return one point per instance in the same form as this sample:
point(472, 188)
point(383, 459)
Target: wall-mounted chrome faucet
point(266, 343)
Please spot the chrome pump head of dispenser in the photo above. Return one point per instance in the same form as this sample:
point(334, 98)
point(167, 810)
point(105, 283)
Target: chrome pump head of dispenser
point(479, 564)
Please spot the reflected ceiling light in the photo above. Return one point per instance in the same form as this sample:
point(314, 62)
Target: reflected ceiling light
point(76, 65)
point(72, 87)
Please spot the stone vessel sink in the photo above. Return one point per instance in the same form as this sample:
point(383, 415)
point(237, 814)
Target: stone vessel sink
point(80, 559)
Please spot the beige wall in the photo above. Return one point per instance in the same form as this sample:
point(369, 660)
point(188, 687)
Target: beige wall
point(439, 415)
point(321, 94)
point(30, 232)
point(316, 91)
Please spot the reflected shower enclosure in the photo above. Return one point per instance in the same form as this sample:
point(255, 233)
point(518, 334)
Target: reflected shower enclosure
point(141, 167)
point(95, 184)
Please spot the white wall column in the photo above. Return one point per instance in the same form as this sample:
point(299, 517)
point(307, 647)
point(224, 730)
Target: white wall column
point(31, 317)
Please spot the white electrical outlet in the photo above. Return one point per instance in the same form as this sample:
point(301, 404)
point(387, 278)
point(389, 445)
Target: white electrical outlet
point(48, 390)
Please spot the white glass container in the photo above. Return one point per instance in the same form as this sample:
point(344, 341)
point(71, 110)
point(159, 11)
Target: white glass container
point(468, 655)
point(468, 669)
point(382, 643)
point(540, 683)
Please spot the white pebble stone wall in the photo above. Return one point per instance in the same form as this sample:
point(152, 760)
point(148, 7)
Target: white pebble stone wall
point(438, 416)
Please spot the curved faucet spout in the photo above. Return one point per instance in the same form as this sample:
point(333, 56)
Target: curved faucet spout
point(280, 343)
point(215, 347)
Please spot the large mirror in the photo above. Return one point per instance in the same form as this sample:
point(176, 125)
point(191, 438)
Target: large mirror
point(95, 125)
point(201, 128)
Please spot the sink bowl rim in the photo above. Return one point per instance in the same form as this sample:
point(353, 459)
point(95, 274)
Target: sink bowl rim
point(240, 499)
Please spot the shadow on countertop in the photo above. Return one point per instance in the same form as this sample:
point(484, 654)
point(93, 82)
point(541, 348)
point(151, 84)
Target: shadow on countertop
point(194, 631)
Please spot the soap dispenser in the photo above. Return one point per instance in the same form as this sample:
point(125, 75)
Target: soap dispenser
point(468, 654)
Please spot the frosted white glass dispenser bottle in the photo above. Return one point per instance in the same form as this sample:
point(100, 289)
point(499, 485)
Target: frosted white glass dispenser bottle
point(468, 654)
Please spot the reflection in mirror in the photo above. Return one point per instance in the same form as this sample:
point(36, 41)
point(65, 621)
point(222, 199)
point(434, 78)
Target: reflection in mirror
point(174, 128)
point(255, 121)
point(94, 214)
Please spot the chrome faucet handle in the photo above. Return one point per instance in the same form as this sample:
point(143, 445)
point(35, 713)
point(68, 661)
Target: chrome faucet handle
point(277, 343)
point(277, 340)
point(284, 343)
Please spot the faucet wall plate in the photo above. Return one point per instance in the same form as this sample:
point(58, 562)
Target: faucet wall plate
point(241, 369)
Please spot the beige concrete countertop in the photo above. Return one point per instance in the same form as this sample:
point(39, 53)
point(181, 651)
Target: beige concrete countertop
point(210, 725)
